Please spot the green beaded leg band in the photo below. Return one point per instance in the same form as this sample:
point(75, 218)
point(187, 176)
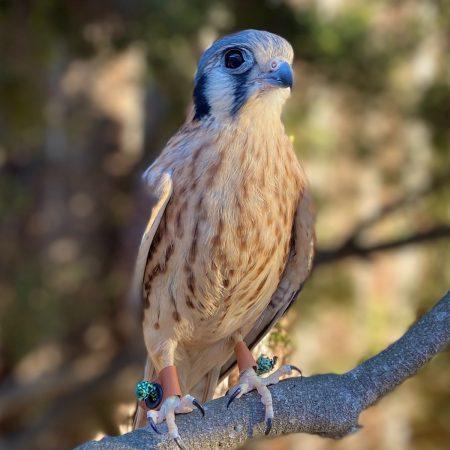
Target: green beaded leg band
point(265, 364)
point(149, 392)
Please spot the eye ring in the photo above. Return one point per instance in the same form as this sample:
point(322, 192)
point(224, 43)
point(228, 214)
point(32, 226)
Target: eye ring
point(234, 58)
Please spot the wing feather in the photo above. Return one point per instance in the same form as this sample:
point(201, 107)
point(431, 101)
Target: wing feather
point(157, 195)
point(160, 192)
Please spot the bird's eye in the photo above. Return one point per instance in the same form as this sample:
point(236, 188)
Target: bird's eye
point(233, 59)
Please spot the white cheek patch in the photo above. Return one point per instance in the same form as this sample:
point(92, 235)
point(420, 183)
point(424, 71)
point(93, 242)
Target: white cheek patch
point(219, 91)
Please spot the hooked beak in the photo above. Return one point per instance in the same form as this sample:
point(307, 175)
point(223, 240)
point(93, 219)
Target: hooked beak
point(281, 76)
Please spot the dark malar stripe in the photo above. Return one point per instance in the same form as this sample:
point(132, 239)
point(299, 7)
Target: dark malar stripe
point(202, 107)
point(240, 92)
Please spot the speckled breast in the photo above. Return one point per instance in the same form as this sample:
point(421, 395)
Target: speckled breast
point(222, 245)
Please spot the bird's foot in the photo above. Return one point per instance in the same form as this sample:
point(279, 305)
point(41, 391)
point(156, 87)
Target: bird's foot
point(249, 380)
point(169, 407)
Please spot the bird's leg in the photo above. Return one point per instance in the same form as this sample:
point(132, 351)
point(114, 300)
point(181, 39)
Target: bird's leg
point(250, 380)
point(172, 403)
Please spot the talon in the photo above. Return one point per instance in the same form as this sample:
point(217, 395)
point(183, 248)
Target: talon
point(233, 396)
point(197, 404)
point(152, 423)
point(297, 369)
point(268, 426)
point(179, 443)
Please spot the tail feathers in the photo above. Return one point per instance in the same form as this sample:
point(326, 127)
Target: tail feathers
point(140, 416)
point(205, 388)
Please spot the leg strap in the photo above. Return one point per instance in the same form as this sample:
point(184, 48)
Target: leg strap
point(169, 382)
point(244, 357)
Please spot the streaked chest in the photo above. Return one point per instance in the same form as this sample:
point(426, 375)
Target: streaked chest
point(229, 226)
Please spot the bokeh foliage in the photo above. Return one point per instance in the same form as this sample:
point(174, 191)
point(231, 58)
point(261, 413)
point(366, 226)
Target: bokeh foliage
point(90, 92)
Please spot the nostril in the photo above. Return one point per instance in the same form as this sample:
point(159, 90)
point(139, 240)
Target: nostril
point(274, 65)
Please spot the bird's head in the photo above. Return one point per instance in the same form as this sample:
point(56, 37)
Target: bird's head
point(249, 70)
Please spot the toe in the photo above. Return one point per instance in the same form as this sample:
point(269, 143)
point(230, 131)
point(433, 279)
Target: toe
point(169, 407)
point(253, 381)
point(233, 395)
point(199, 406)
point(152, 421)
point(274, 378)
point(268, 426)
point(179, 443)
point(171, 425)
point(188, 403)
point(295, 368)
point(266, 400)
point(237, 392)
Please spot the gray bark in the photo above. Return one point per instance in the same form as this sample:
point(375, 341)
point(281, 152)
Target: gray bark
point(328, 405)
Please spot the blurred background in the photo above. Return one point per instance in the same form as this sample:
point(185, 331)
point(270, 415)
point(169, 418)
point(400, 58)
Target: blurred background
point(89, 94)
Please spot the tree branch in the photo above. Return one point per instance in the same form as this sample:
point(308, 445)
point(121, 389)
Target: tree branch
point(352, 248)
point(327, 405)
point(15, 396)
point(351, 245)
point(438, 181)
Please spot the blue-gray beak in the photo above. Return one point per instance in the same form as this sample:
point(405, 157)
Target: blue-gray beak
point(282, 76)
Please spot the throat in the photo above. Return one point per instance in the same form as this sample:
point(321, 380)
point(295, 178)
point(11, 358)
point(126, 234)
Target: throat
point(250, 149)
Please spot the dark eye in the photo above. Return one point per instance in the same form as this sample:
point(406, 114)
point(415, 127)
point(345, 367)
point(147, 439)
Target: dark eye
point(233, 59)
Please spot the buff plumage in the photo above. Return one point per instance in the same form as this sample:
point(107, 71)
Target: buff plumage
point(224, 251)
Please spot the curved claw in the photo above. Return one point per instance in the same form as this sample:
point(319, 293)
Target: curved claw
point(197, 404)
point(297, 369)
point(179, 443)
point(233, 396)
point(152, 423)
point(268, 426)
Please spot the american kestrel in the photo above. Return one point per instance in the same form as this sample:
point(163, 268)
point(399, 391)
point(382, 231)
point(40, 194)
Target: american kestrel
point(230, 239)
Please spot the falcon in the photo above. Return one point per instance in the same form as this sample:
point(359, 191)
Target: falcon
point(229, 239)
